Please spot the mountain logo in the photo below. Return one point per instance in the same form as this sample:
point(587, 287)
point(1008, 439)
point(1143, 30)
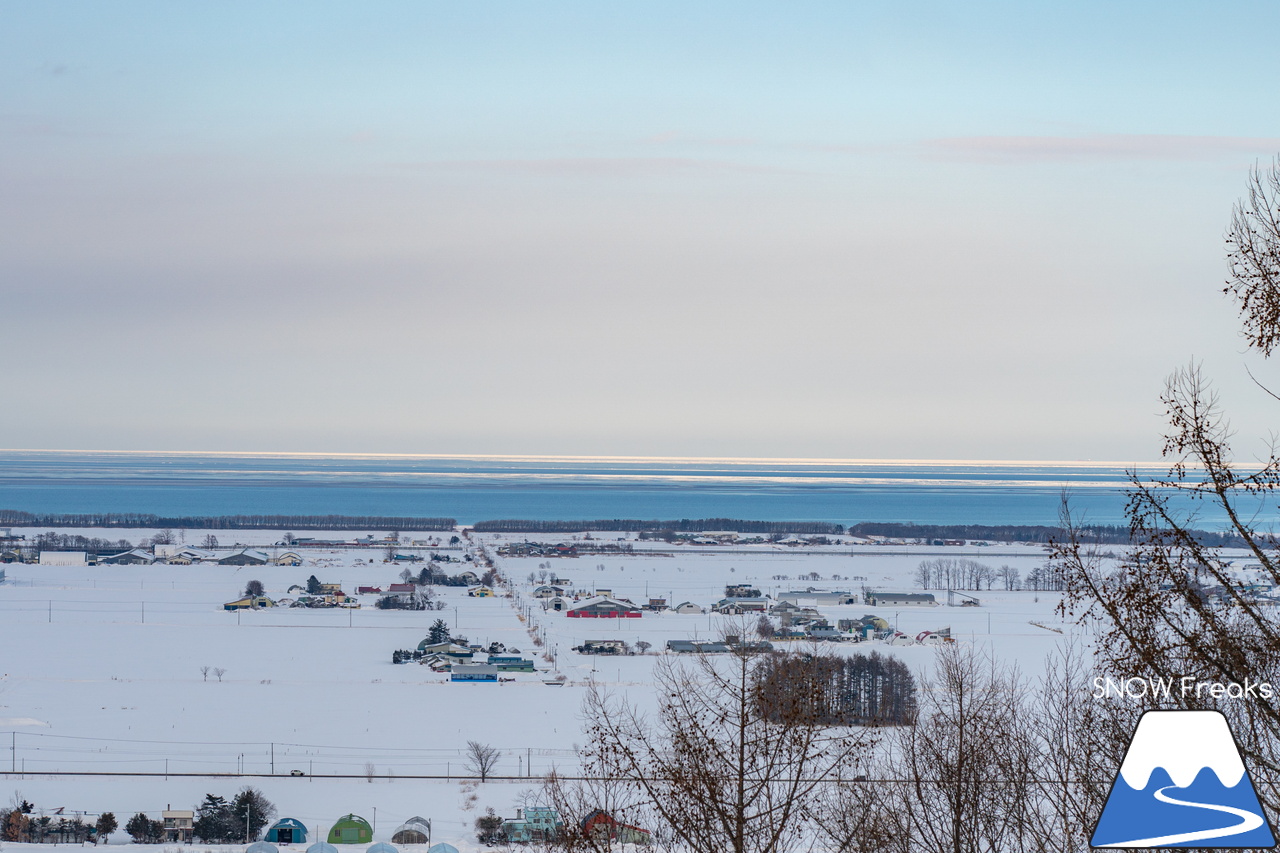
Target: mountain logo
point(1182, 784)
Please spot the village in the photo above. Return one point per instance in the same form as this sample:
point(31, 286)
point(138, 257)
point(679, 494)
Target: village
point(388, 665)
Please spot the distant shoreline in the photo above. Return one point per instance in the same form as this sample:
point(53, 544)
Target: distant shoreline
point(943, 533)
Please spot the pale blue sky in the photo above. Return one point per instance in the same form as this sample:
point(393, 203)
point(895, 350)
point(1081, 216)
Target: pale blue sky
point(910, 230)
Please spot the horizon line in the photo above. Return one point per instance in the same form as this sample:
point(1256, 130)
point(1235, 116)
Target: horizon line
point(797, 460)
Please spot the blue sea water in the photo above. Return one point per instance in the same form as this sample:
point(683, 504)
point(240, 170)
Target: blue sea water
point(471, 489)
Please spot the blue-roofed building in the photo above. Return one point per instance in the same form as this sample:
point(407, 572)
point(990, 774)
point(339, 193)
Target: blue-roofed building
point(287, 830)
point(474, 672)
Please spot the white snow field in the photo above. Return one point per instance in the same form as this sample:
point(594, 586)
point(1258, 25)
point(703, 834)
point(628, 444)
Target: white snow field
point(101, 673)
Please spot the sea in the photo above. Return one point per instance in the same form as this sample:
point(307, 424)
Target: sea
point(478, 488)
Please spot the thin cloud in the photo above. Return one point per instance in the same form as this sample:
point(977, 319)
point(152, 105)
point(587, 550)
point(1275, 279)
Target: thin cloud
point(1061, 149)
point(618, 167)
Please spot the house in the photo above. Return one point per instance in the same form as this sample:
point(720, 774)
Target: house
point(448, 649)
point(288, 558)
point(823, 631)
point(511, 663)
point(287, 830)
point(562, 582)
point(657, 605)
point(480, 592)
point(415, 830)
point(244, 557)
point(351, 829)
point(368, 590)
point(536, 826)
point(741, 590)
point(734, 606)
point(604, 593)
point(602, 647)
point(601, 826)
point(604, 608)
point(474, 672)
point(178, 825)
point(401, 588)
point(687, 607)
point(136, 557)
point(249, 602)
point(901, 599)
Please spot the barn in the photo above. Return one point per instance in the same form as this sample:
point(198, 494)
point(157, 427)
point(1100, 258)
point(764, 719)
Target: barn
point(287, 830)
point(351, 829)
point(601, 607)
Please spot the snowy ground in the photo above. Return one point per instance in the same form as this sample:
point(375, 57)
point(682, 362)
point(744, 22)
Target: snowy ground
point(101, 671)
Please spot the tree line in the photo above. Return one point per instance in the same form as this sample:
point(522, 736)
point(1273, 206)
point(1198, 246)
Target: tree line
point(17, 518)
point(683, 525)
point(1101, 534)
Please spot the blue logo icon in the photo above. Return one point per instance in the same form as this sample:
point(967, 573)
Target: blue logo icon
point(1182, 784)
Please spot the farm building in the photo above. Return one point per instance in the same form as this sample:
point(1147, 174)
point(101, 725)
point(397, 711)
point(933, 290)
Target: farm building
point(687, 607)
point(601, 826)
point(480, 592)
point(64, 558)
point(261, 847)
point(351, 829)
point(187, 556)
point(469, 578)
point(604, 608)
point(244, 557)
point(697, 647)
point(474, 672)
point(442, 848)
point(511, 663)
point(287, 830)
point(548, 591)
point(537, 825)
point(381, 847)
point(288, 558)
point(602, 647)
point(136, 557)
point(322, 847)
point(252, 602)
point(819, 596)
point(415, 830)
point(901, 599)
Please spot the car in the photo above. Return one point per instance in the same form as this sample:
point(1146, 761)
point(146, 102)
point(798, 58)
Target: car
point(296, 773)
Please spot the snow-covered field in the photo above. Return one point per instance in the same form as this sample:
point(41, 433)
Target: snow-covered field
point(101, 672)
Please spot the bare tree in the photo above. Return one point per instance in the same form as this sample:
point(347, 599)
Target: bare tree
point(717, 769)
point(219, 672)
point(254, 589)
point(481, 759)
point(204, 671)
point(370, 771)
point(1174, 606)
